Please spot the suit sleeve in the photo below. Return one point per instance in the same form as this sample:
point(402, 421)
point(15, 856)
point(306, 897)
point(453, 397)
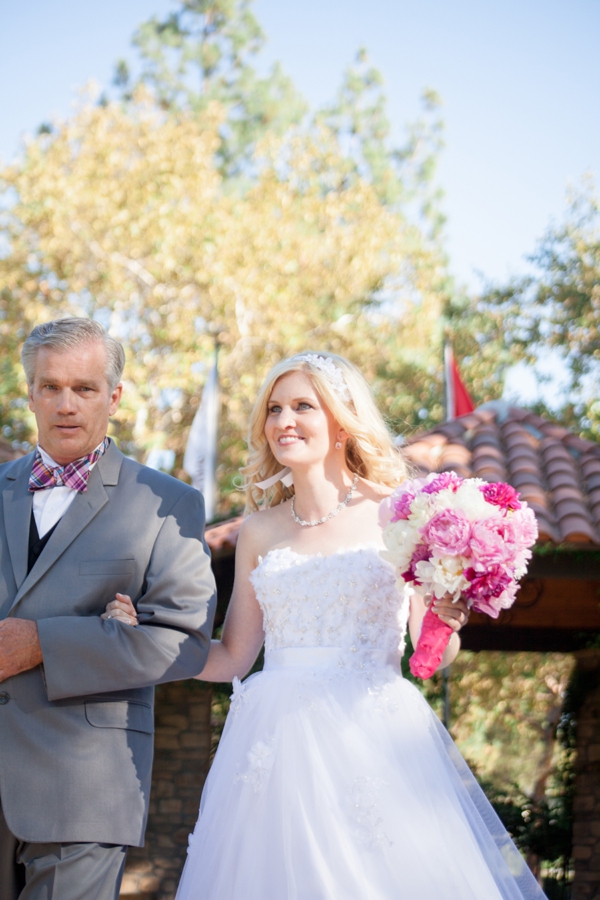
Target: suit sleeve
point(88, 655)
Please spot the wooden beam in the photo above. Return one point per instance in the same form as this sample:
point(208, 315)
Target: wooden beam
point(567, 603)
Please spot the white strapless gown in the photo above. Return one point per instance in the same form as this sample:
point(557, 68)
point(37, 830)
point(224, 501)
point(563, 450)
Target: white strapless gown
point(334, 780)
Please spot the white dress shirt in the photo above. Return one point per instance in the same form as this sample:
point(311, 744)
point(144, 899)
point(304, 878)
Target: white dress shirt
point(50, 505)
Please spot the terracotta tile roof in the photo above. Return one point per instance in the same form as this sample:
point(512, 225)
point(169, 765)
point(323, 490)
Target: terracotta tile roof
point(557, 472)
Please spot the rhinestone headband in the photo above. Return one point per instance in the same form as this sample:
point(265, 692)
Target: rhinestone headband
point(333, 373)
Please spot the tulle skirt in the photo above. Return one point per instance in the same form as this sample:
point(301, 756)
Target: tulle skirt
point(334, 780)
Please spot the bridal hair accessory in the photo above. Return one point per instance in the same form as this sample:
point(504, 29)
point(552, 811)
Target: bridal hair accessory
point(285, 476)
point(344, 503)
point(333, 373)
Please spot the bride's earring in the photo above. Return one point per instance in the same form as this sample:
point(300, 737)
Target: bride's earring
point(338, 445)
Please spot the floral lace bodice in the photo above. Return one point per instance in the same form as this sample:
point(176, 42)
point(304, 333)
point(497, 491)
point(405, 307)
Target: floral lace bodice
point(348, 599)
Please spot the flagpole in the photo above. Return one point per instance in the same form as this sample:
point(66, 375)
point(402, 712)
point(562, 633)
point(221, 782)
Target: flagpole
point(447, 412)
point(215, 484)
point(200, 458)
point(449, 400)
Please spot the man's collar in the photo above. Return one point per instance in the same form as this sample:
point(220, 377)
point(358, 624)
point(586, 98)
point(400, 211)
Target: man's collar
point(51, 463)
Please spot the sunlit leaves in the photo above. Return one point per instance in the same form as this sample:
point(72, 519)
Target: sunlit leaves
point(122, 214)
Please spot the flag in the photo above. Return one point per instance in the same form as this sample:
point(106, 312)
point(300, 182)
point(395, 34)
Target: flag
point(200, 459)
point(458, 399)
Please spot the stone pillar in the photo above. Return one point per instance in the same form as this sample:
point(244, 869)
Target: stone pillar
point(181, 762)
point(586, 807)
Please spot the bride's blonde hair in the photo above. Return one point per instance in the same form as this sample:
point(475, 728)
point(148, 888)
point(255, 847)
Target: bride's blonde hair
point(370, 450)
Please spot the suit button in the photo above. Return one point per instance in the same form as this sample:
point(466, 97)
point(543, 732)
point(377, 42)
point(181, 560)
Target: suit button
point(4, 698)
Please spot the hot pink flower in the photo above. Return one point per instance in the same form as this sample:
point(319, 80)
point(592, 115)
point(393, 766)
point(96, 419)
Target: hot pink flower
point(402, 505)
point(501, 494)
point(447, 533)
point(485, 586)
point(421, 553)
point(442, 481)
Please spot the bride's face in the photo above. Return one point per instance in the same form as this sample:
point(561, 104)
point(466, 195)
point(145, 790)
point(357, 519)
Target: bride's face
point(299, 427)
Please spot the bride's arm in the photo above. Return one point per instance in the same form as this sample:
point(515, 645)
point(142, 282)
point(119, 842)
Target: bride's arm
point(453, 614)
point(242, 635)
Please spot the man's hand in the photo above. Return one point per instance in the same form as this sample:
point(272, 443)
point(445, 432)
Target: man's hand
point(19, 647)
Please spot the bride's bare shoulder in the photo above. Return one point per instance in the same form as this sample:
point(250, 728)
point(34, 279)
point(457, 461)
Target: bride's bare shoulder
point(374, 491)
point(262, 529)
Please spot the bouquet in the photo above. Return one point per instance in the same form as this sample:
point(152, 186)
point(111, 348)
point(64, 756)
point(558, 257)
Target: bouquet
point(459, 536)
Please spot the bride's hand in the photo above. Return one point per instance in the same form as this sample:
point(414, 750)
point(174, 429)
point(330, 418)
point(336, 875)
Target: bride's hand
point(122, 609)
point(454, 614)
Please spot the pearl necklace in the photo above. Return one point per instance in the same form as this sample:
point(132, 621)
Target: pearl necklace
point(344, 503)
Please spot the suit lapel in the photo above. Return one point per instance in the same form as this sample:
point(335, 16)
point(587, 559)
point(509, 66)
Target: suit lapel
point(82, 510)
point(17, 502)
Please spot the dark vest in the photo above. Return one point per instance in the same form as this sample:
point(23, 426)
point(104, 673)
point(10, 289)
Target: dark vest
point(36, 543)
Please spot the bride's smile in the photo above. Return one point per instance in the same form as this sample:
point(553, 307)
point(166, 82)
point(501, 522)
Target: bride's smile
point(299, 427)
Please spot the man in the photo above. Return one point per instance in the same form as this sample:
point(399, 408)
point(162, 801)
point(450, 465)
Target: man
point(79, 523)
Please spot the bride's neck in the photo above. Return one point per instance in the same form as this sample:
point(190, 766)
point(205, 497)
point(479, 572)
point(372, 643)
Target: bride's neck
point(318, 491)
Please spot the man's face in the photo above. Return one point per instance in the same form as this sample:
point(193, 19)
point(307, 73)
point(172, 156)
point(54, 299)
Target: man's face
point(71, 400)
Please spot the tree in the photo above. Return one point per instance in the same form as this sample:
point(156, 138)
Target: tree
point(400, 175)
point(201, 54)
point(122, 214)
point(206, 50)
point(559, 307)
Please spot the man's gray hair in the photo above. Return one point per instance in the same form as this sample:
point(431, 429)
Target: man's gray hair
point(62, 335)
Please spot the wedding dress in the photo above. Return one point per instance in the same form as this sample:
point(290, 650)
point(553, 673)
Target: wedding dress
point(334, 780)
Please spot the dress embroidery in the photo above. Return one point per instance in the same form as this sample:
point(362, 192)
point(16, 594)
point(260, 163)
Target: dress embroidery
point(348, 600)
point(260, 761)
point(364, 815)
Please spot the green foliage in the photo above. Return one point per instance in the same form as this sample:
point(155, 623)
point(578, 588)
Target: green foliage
point(400, 175)
point(201, 54)
point(542, 828)
point(559, 308)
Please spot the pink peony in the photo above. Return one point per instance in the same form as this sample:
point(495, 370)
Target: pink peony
point(485, 586)
point(447, 533)
point(525, 527)
point(493, 540)
point(386, 511)
point(396, 506)
point(493, 605)
point(421, 553)
point(500, 494)
point(402, 505)
point(441, 482)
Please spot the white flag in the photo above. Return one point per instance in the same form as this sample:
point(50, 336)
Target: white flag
point(200, 459)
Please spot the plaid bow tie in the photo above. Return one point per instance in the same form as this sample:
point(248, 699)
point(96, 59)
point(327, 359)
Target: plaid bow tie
point(74, 475)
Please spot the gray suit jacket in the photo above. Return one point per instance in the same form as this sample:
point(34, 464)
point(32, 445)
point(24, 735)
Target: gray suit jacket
point(76, 733)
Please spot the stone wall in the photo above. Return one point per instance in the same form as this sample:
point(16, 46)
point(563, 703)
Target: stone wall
point(181, 761)
point(586, 825)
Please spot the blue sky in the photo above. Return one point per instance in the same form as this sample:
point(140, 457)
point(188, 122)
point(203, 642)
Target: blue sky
point(519, 80)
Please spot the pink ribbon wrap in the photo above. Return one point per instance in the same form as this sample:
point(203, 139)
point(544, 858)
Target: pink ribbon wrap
point(432, 642)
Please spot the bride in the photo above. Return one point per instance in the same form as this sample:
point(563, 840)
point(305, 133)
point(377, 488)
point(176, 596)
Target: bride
point(333, 780)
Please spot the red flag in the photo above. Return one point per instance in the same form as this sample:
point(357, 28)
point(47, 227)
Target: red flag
point(458, 399)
